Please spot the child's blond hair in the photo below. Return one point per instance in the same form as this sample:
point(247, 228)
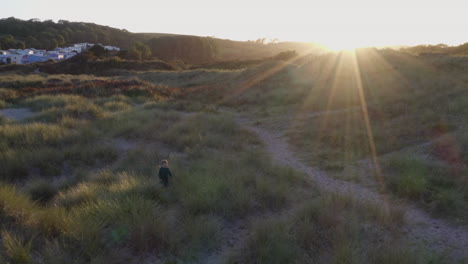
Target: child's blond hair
point(164, 162)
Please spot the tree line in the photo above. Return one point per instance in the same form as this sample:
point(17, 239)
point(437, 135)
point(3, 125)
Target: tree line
point(17, 33)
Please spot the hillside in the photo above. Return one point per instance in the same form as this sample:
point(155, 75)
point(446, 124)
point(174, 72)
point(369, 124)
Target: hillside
point(438, 49)
point(16, 33)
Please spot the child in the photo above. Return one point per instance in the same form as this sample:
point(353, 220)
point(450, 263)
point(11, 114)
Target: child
point(164, 173)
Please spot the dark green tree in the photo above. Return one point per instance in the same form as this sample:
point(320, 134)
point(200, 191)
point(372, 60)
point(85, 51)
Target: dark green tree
point(133, 53)
point(98, 51)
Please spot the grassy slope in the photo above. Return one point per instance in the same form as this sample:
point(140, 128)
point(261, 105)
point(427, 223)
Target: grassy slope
point(85, 189)
point(86, 213)
point(80, 186)
point(411, 101)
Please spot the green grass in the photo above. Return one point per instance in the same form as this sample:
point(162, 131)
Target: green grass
point(411, 177)
point(436, 186)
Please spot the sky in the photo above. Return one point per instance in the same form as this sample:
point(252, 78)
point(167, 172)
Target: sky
point(337, 24)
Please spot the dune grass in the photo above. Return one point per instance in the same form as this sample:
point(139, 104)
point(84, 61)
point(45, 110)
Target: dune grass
point(330, 229)
point(410, 103)
point(122, 212)
point(79, 181)
point(45, 148)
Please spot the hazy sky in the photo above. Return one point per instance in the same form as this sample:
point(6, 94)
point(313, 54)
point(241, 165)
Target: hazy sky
point(339, 24)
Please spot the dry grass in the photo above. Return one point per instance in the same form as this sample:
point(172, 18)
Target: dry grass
point(92, 215)
point(108, 206)
point(331, 229)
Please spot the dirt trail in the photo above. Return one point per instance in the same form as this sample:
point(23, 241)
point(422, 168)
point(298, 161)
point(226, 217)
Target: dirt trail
point(435, 234)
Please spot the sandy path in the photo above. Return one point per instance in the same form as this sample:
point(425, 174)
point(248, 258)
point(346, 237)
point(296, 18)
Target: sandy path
point(435, 234)
point(17, 114)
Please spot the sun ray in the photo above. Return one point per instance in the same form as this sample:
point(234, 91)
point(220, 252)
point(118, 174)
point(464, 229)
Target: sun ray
point(260, 77)
point(365, 113)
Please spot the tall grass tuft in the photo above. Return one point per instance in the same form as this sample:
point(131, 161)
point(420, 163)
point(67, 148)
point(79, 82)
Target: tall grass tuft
point(17, 249)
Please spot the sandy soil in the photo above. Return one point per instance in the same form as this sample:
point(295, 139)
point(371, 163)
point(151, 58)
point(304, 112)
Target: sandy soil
point(17, 114)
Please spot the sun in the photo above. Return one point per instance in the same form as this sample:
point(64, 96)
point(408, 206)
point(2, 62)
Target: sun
point(344, 45)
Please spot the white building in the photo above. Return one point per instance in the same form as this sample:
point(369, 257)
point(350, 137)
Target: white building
point(70, 54)
point(3, 59)
point(55, 55)
point(26, 52)
point(25, 56)
point(38, 52)
point(14, 58)
point(111, 48)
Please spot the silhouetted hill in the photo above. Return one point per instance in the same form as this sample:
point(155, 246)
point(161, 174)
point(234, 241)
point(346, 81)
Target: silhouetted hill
point(17, 33)
point(438, 49)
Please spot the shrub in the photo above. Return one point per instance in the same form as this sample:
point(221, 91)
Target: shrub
point(2, 104)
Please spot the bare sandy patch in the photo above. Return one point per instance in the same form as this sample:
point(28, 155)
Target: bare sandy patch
point(17, 114)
